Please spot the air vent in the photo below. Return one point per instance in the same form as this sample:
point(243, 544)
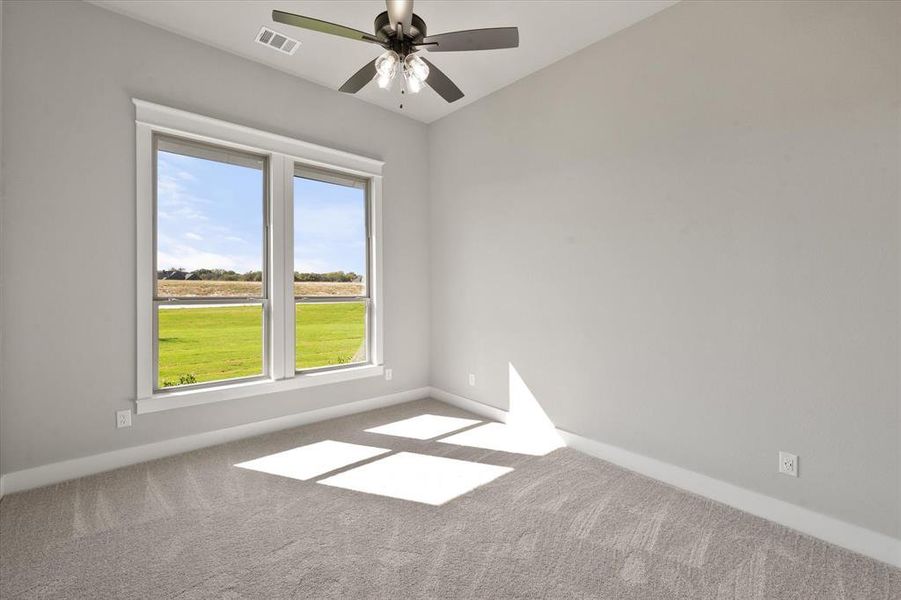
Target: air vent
point(276, 40)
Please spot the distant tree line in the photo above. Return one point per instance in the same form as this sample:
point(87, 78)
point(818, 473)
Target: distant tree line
point(334, 276)
point(227, 275)
point(223, 275)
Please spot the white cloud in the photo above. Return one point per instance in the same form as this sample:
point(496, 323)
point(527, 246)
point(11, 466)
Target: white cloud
point(173, 254)
point(191, 258)
point(193, 236)
point(308, 265)
point(175, 202)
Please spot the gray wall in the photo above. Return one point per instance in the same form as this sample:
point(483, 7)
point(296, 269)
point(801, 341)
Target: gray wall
point(1, 222)
point(68, 304)
point(686, 240)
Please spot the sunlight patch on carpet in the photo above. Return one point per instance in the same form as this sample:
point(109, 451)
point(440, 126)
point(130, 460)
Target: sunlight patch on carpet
point(423, 427)
point(506, 438)
point(307, 462)
point(417, 477)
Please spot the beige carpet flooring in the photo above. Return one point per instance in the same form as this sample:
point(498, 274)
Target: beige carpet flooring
point(563, 525)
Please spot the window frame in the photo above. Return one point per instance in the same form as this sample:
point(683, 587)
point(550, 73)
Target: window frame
point(171, 301)
point(283, 156)
point(316, 174)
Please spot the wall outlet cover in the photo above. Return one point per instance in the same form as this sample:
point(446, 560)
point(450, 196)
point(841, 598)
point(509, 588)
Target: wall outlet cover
point(472, 379)
point(788, 464)
point(123, 418)
point(388, 374)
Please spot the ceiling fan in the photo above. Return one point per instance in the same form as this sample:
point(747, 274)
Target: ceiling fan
point(402, 34)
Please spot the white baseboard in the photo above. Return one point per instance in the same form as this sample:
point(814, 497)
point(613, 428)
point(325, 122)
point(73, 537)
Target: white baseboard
point(840, 533)
point(853, 537)
point(476, 408)
point(27, 479)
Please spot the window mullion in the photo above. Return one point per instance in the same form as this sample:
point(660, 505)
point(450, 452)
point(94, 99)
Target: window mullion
point(281, 319)
point(287, 298)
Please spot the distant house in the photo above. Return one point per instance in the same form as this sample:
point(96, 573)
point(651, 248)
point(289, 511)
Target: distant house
point(176, 275)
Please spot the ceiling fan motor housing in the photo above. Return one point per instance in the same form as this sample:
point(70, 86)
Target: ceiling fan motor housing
point(386, 32)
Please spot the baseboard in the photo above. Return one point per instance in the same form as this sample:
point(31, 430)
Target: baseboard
point(476, 408)
point(27, 479)
point(853, 537)
point(829, 529)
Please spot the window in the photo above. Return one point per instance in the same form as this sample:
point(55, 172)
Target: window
point(257, 262)
point(330, 270)
point(210, 297)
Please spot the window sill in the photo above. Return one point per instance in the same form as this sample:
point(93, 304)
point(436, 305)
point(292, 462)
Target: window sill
point(179, 399)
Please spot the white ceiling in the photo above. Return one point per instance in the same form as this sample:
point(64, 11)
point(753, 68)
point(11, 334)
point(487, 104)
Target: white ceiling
point(549, 31)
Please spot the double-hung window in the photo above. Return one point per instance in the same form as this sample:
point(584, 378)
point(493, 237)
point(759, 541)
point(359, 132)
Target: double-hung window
point(257, 264)
point(331, 251)
point(210, 294)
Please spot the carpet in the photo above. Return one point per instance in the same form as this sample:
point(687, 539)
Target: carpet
point(563, 525)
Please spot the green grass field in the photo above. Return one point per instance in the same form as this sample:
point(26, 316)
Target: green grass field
point(208, 344)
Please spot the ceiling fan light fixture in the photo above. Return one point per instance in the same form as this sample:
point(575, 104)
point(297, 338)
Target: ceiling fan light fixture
point(417, 67)
point(414, 84)
point(384, 81)
point(386, 64)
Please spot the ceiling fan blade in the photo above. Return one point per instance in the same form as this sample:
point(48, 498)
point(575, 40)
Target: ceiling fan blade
point(400, 11)
point(359, 79)
point(473, 39)
point(322, 26)
point(442, 84)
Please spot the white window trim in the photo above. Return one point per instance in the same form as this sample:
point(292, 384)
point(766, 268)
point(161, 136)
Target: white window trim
point(283, 153)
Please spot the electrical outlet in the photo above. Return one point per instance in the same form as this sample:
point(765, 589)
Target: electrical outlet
point(788, 464)
point(472, 379)
point(123, 418)
point(388, 374)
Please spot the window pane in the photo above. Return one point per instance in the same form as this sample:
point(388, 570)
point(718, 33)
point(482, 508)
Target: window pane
point(209, 343)
point(209, 222)
point(329, 238)
point(330, 333)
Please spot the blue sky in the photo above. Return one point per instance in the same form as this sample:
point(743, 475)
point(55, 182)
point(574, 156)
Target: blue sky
point(329, 227)
point(210, 215)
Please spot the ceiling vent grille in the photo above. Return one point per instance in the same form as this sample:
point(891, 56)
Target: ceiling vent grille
point(276, 40)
